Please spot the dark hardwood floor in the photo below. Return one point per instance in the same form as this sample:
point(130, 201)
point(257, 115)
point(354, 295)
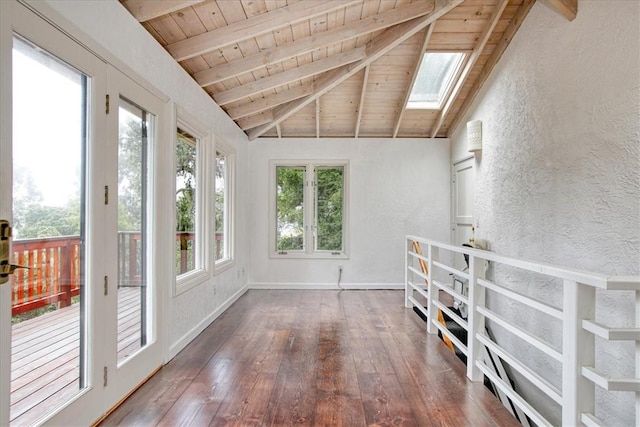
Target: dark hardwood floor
point(313, 358)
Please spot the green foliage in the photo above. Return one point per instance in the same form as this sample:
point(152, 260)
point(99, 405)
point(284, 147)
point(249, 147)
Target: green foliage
point(186, 193)
point(130, 170)
point(290, 212)
point(328, 208)
point(329, 199)
point(32, 219)
point(51, 221)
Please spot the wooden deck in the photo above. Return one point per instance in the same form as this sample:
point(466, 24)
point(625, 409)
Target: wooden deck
point(314, 358)
point(45, 356)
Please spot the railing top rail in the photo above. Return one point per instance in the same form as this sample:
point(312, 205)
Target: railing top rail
point(582, 276)
point(45, 239)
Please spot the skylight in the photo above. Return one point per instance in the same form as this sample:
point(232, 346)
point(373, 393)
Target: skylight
point(435, 77)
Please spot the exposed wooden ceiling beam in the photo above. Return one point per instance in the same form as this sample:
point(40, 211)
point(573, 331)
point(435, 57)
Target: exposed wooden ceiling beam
point(477, 51)
point(144, 10)
point(566, 8)
point(253, 27)
point(375, 49)
point(317, 117)
point(509, 32)
point(310, 43)
point(269, 102)
point(255, 120)
point(279, 130)
point(414, 75)
point(363, 93)
point(291, 75)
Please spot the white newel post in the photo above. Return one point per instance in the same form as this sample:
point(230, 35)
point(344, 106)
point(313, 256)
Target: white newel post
point(578, 350)
point(637, 356)
point(433, 291)
point(408, 291)
point(476, 322)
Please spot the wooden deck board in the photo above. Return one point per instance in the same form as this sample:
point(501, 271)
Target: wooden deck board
point(313, 358)
point(45, 356)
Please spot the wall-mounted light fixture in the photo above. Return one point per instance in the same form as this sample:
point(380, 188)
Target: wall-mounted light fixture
point(474, 136)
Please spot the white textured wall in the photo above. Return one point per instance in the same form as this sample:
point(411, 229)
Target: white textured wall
point(559, 180)
point(116, 31)
point(397, 187)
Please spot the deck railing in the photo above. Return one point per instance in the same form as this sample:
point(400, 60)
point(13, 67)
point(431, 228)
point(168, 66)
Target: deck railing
point(55, 268)
point(574, 391)
point(53, 275)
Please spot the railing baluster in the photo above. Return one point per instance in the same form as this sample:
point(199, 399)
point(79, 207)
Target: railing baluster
point(433, 254)
point(476, 321)
point(408, 290)
point(578, 349)
point(637, 354)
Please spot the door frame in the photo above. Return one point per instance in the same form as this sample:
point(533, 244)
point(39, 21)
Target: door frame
point(454, 164)
point(48, 17)
point(88, 401)
point(124, 378)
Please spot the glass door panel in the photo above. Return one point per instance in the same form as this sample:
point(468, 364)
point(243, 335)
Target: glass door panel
point(133, 350)
point(49, 339)
point(133, 123)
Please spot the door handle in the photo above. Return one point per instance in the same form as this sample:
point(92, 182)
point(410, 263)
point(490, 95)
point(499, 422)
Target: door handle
point(6, 268)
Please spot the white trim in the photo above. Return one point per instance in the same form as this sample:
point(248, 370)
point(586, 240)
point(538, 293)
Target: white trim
point(309, 166)
point(183, 341)
point(229, 198)
point(62, 24)
point(203, 270)
point(323, 286)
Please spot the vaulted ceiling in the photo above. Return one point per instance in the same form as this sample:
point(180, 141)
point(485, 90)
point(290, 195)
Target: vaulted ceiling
point(334, 68)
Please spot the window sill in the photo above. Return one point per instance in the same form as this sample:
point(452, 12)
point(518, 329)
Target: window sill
point(224, 265)
point(189, 280)
point(302, 255)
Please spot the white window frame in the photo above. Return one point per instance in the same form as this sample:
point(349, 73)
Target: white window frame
point(309, 206)
point(204, 213)
point(229, 205)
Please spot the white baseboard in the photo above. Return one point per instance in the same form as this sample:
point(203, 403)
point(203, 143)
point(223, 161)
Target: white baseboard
point(176, 347)
point(324, 286)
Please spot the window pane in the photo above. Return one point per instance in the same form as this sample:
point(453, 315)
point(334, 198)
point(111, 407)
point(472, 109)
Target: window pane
point(434, 78)
point(290, 208)
point(221, 207)
point(48, 305)
point(133, 143)
point(329, 199)
point(185, 202)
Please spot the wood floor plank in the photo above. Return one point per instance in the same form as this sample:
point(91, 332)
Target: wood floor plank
point(314, 358)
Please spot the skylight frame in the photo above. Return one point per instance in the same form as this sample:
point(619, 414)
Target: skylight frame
point(447, 83)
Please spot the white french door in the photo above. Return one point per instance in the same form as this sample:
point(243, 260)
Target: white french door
point(134, 347)
point(79, 327)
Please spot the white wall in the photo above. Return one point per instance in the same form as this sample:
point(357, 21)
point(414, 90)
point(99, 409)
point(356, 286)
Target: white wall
point(397, 187)
point(558, 180)
point(115, 31)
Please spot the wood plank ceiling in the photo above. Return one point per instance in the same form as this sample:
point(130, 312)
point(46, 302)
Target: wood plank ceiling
point(331, 68)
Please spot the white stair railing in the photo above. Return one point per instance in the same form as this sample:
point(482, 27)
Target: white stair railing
point(576, 396)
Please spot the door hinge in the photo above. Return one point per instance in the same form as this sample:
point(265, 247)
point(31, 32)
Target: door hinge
point(106, 194)
point(106, 285)
point(106, 104)
point(105, 377)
